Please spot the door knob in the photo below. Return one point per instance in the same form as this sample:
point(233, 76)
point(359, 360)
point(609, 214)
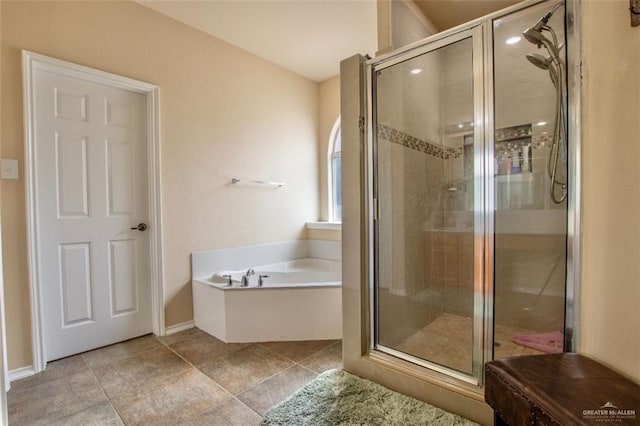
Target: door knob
point(140, 227)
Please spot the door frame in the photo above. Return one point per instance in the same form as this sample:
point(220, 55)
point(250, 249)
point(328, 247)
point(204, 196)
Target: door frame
point(30, 63)
point(4, 371)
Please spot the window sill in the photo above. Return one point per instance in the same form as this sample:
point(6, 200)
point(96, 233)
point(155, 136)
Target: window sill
point(327, 226)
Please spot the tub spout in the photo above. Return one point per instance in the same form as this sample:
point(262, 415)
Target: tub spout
point(246, 276)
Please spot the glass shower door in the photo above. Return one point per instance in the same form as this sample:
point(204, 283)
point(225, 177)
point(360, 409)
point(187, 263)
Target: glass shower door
point(530, 249)
point(427, 184)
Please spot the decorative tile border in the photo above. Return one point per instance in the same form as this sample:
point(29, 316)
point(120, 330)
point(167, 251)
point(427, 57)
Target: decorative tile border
point(411, 142)
point(541, 141)
point(513, 132)
point(433, 149)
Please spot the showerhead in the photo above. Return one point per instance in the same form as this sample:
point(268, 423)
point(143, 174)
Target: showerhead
point(544, 64)
point(538, 60)
point(536, 37)
point(534, 34)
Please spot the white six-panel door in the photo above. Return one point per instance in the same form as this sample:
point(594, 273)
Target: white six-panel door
point(91, 189)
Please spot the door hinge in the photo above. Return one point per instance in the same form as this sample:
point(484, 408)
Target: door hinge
point(361, 123)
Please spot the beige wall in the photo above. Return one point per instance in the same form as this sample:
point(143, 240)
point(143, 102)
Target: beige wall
point(400, 22)
point(324, 234)
point(329, 111)
point(408, 24)
point(610, 296)
point(383, 12)
point(224, 113)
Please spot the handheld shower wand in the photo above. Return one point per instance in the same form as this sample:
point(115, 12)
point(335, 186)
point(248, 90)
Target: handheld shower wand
point(534, 34)
point(555, 66)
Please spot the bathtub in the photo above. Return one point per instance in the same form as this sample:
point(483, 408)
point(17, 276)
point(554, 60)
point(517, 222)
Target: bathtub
point(309, 272)
point(300, 300)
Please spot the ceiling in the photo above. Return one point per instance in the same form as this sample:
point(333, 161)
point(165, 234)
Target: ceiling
point(309, 37)
point(445, 14)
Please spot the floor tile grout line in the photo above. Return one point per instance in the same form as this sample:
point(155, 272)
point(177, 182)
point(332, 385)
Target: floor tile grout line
point(88, 370)
point(274, 352)
point(268, 378)
point(315, 374)
point(120, 359)
point(164, 346)
point(165, 378)
point(49, 421)
point(48, 382)
point(261, 346)
point(258, 384)
point(308, 369)
point(292, 363)
point(161, 339)
point(125, 359)
point(251, 387)
point(195, 367)
point(168, 376)
point(320, 350)
point(193, 337)
point(92, 369)
point(106, 394)
point(298, 363)
point(14, 391)
point(274, 375)
point(262, 381)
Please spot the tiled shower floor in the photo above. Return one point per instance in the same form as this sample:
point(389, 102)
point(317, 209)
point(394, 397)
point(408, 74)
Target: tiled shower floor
point(188, 378)
point(447, 340)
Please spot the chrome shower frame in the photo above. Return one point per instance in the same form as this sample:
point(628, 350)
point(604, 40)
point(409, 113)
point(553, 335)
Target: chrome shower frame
point(477, 34)
point(484, 206)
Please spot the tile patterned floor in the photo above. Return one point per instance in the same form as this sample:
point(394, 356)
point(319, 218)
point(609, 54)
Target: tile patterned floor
point(188, 378)
point(447, 340)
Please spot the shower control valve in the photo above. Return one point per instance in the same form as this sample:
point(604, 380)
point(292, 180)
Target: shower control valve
point(261, 279)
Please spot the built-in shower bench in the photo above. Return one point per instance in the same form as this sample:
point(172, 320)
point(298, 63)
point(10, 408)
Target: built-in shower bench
point(559, 389)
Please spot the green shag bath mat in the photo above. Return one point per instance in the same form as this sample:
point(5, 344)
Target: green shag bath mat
point(338, 398)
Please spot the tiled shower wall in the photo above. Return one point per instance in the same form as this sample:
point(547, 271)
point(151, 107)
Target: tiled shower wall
point(429, 255)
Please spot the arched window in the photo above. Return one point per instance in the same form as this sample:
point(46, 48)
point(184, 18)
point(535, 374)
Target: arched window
point(335, 174)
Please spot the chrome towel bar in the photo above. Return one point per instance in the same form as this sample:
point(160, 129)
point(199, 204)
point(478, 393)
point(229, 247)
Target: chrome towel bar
point(237, 181)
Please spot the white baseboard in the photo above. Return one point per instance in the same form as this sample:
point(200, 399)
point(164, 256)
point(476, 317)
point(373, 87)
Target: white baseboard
point(21, 373)
point(172, 329)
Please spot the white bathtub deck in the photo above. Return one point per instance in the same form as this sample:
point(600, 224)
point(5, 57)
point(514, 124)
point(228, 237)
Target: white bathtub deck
point(258, 314)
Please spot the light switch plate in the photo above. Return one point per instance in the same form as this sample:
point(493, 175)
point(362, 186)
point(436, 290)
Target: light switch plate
point(8, 169)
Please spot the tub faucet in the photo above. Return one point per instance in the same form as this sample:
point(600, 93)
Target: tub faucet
point(229, 280)
point(261, 279)
point(246, 276)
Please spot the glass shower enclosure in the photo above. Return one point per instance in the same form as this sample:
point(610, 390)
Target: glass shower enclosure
point(466, 189)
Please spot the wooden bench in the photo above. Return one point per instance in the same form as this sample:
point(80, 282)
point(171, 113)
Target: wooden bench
point(559, 389)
